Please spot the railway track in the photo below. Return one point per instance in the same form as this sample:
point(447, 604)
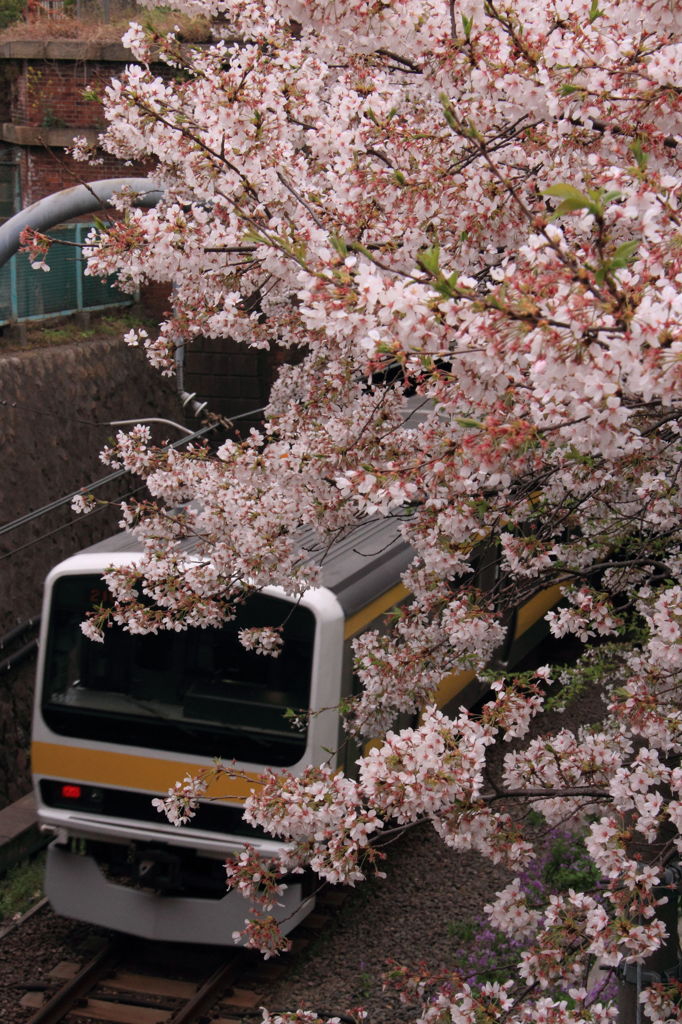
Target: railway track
point(133, 981)
point(130, 982)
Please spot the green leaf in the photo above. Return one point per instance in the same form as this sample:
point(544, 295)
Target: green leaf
point(641, 158)
point(465, 421)
point(359, 247)
point(467, 24)
point(255, 239)
point(599, 196)
point(570, 205)
point(594, 11)
point(400, 177)
point(574, 199)
point(624, 254)
point(429, 259)
point(447, 286)
point(448, 111)
point(566, 192)
point(568, 90)
point(338, 243)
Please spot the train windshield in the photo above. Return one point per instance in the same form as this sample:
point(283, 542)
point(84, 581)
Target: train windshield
point(196, 692)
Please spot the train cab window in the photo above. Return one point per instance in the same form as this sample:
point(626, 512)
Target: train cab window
point(197, 691)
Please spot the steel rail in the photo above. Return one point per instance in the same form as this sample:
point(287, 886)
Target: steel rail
point(209, 992)
point(66, 997)
point(79, 990)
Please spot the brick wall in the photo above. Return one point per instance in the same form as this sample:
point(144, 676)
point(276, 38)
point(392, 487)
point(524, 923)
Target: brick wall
point(42, 107)
point(48, 95)
point(47, 170)
point(51, 93)
point(52, 98)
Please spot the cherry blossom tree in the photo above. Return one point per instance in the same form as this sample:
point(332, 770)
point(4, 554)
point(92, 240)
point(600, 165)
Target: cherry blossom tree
point(475, 203)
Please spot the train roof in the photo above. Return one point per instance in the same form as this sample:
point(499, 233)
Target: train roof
point(358, 567)
point(365, 563)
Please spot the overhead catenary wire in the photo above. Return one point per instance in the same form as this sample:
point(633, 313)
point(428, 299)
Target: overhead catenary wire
point(65, 526)
point(188, 399)
point(88, 488)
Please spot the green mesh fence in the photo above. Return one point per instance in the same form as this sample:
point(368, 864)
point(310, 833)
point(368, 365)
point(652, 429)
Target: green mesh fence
point(27, 294)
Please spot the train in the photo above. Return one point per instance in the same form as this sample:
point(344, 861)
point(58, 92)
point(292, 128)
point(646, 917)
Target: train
point(116, 724)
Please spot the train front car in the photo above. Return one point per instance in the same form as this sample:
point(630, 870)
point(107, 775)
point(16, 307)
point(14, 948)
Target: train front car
point(117, 723)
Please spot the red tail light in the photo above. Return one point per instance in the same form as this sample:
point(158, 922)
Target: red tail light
point(71, 792)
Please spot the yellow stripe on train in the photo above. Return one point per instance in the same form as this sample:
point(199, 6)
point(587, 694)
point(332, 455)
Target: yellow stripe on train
point(130, 771)
point(533, 610)
point(356, 623)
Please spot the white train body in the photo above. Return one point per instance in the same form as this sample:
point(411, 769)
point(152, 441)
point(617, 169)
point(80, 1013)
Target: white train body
point(116, 724)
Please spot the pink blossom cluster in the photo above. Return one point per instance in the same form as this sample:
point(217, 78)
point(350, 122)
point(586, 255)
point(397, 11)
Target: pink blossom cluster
point(182, 801)
point(463, 219)
point(262, 640)
point(321, 812)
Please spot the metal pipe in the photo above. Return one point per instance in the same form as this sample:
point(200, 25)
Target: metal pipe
point(149, 419)
point(72, 202)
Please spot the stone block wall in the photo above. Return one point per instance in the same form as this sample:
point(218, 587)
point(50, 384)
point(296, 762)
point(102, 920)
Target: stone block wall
point(16, 708)
point(55, 404)
point(55, 408)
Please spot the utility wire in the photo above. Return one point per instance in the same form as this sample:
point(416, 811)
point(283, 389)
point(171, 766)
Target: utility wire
point(44, 413)
point(41, 412)
point(87, 488)
point(58, 502)
point(65, 526)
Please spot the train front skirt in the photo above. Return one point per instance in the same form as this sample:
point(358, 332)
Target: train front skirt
point(76, 887)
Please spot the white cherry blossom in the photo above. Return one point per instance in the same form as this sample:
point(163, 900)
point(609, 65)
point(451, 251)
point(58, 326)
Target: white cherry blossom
point(476, 205)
